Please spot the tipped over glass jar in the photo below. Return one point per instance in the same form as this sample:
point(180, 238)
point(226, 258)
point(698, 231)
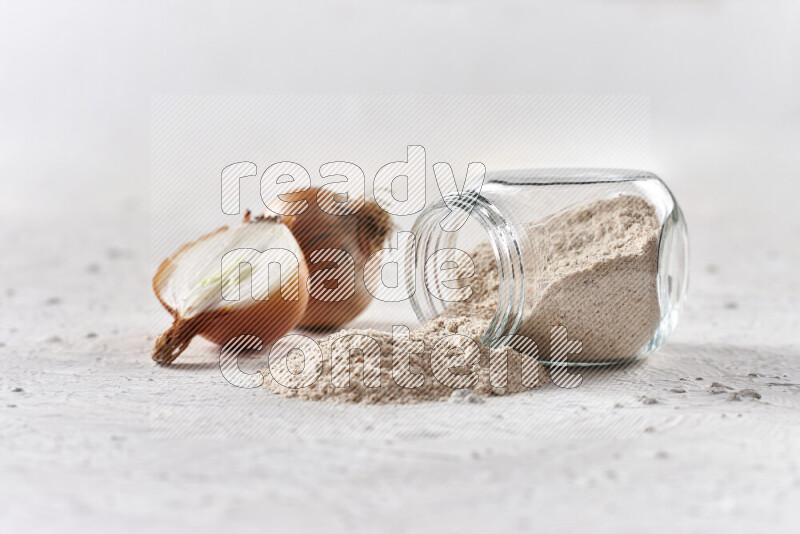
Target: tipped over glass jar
point(597, 255)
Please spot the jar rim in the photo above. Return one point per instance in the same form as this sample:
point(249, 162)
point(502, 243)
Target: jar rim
point(568, 175)
point(507, 251)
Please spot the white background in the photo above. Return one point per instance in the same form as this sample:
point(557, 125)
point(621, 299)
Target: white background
point(77, 449)
point(78, 79)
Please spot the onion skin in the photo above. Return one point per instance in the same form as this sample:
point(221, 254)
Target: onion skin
point(269, 319)
point(360, 234)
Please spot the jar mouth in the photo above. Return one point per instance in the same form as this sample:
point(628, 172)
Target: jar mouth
point(507, 254)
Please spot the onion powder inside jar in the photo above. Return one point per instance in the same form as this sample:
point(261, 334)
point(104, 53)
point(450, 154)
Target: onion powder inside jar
point(595, 256)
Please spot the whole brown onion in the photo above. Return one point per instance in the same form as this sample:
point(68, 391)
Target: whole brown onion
point(359, 234)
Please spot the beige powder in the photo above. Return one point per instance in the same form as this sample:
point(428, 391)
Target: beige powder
point(591, 269)
point(599, 267)
point(379, 380)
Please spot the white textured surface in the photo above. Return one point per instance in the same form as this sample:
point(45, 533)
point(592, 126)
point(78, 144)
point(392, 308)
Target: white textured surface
point(101, 438)
point(93, 444)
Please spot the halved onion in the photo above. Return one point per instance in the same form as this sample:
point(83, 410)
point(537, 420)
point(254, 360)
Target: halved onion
point(197, 285)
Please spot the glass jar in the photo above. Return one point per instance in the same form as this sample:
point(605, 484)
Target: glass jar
point(598, 255)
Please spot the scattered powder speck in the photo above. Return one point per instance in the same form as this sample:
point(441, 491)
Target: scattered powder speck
point(716, 388)
point(745, 394)
point(465, 396)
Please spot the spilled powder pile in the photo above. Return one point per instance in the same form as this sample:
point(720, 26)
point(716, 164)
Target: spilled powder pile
point(380, 380)
point(591, 269)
